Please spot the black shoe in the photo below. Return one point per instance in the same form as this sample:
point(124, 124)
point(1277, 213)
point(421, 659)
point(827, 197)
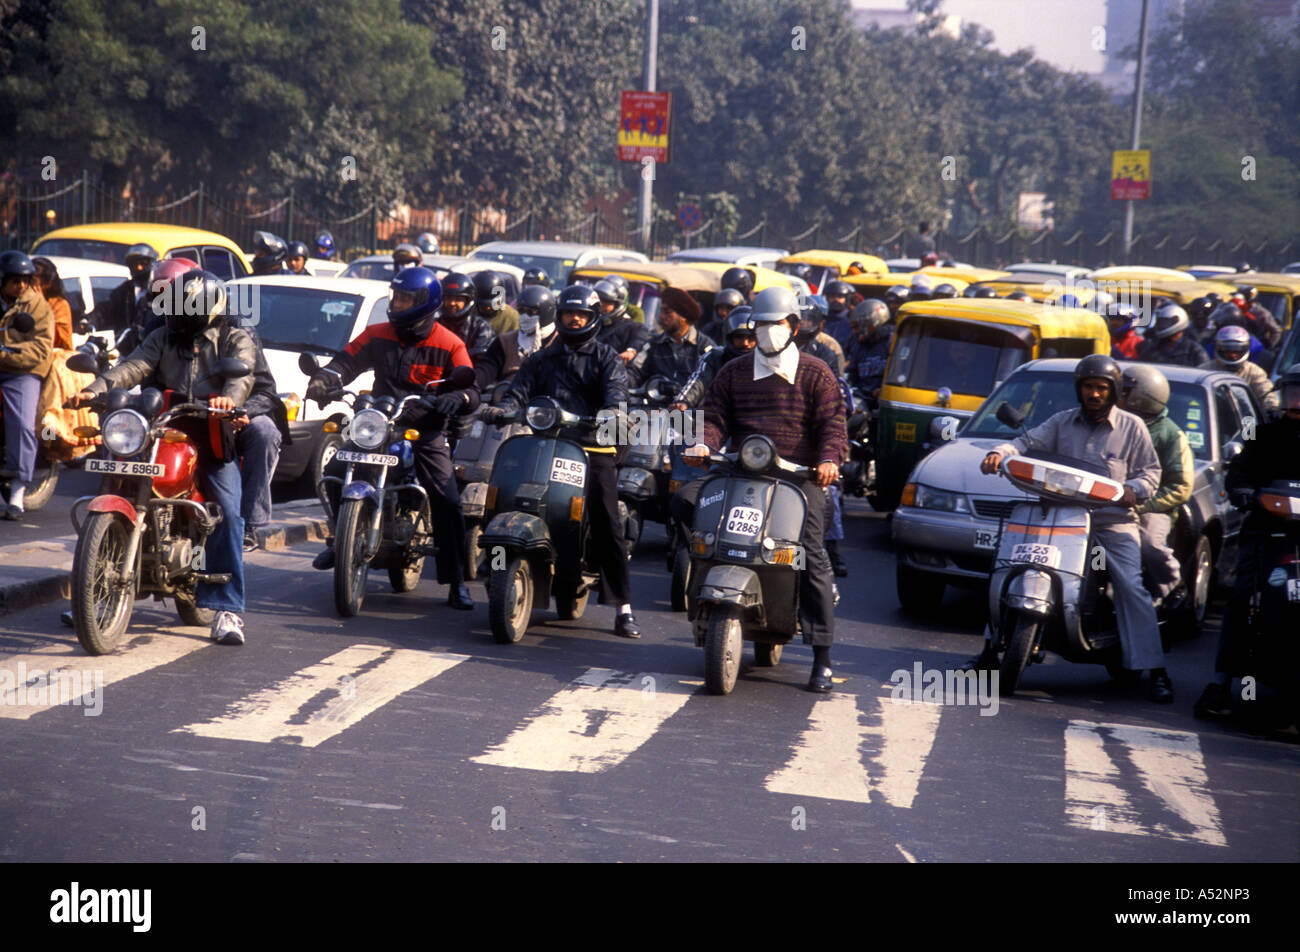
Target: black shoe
point(66, 618)
point(250, 542)
point(820, 682)
point(1215, 703)
point(1162, 689)
point(986, 660)
point(625, 626)
point(1175, 599)
point(324, 560)
point(459, 597)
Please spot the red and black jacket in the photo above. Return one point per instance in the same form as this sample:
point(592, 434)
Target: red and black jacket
point(403, 369)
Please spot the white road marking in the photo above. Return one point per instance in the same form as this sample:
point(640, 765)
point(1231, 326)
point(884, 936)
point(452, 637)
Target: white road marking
point(1170, 766)
point(591, 724)
point(343, 692)
point(828, 761)
point(66, 672)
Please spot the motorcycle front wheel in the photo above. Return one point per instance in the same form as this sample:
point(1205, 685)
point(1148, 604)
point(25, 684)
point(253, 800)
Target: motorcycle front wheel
point(101, 605)
point(351, 567)
point(510, 601)
point(1019, 649)
point(723, 645)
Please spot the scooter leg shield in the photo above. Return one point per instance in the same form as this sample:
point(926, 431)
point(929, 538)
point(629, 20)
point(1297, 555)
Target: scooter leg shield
point(1031, 591)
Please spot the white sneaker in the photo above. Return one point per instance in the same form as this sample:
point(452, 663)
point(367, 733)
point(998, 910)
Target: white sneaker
point(228, 629)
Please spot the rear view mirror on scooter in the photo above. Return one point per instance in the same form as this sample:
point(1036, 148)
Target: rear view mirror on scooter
point(83, 363)
point(1010, 416)
point(461, 378)
point(232, 368)
point(308, 363)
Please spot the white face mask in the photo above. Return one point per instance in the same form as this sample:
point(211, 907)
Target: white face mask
point(773, 338)
point(528, 324)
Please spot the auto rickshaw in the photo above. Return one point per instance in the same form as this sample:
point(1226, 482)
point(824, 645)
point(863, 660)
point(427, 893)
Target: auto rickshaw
point(875, 285)
point(948, 355)
point(764, 278)
point(1278, 293)
point(828, 266)
point(647, 280)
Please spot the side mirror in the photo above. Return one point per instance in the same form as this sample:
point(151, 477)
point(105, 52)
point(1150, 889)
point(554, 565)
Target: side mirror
point(150, 402)
point(1232, 449)
point(83, 363)
point(23, 323)
point(461, 378)
point(308, 363)
point(1012, 417)
point(232, 368)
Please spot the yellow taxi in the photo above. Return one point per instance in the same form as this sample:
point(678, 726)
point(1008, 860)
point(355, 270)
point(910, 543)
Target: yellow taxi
point(109, 241)
point(647, 280)
point(826, 266)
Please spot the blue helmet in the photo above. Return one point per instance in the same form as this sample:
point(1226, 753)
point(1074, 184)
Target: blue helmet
point(324, 245)
point(414, 297)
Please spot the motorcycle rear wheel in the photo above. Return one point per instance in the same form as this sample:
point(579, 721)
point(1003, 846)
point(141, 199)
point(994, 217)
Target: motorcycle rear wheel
point(510, 601)
point(1019, 648)
point(350, 569)
point(191, 614)
point(45, 479)
point(723, 645)
point(406, 575)
point(101, 607)
point(767, 656)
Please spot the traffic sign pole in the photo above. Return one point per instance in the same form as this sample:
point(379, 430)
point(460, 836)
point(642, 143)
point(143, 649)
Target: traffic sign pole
point(1137, 122)
point(645, 199)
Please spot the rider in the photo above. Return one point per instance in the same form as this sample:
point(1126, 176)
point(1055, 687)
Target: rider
point(24, 362)
point(490, 302)
point(1202, 328)
point(838, 296)
point(182, 356)
point(457, 314)
point(121, 310)
point(1231, 347)
point(895, 298)
point(724, 302)
point(584, 377)
point(1266, 327)
point(675, 352)
point(269, 252)
point(869, 351)
point(739, 279)
point(325, 246)
point(536, 330)
point(298, 255)
point(1273, 455)
point(1146, 393)
point(812, 340)
point(1227, 314)
point(795, 401)
point(405, 353)
point(1100, 433)
point(428, 242)
point(407, 255)
point(1124, 338)
point(617, 329)
point(739, 341)
point(1166, 342)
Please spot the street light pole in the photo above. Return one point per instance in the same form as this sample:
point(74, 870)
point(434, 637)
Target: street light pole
point(646, 198)
point(1137, 121)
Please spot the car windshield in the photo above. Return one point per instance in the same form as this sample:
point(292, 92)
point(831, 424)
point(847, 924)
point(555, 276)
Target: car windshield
point(965, 357)
point(556, 268)
point(300, 319)
point(114, 252)
point(1039, 395)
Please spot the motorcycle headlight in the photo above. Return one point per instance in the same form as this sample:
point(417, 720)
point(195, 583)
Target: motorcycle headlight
point(369, 429)
point(927, 498)
point(756, 453)
point(542, 417)
point(125, 432)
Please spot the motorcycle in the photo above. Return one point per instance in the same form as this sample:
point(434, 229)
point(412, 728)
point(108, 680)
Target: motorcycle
point(145, 530)
point(1047, 592)
point(472, 461)
point(859, 472)
point(645, 468)
point(746, 558)
point(378, 523)
point(537, 539)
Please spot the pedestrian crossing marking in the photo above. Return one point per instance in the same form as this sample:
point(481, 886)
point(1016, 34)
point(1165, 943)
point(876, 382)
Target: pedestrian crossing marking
point(593, 723)
point(37, 681)
point(326, 698)
point(1170, 766)
point(828, 762)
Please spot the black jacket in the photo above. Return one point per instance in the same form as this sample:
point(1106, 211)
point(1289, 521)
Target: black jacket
point(1274, 454)
point(670, 358)
point(474, 331)
point(584, 380)
point(1184, 352)
point(624, 334)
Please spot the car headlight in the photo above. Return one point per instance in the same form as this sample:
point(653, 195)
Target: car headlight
point(125, 432)
point(756, 453)
point(542, 417)
point(369, 429)
point(927, 498)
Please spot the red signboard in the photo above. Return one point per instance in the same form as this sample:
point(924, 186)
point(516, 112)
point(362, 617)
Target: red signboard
point(643, 126)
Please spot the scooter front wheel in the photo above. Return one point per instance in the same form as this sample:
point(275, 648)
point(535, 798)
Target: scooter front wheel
point(351, 567)
point(723, 644)
point(101, 604)
point(510, 601)
point(1014, 660)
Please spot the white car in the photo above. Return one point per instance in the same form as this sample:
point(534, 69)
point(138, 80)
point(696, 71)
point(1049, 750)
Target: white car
point(556, 258)
point(87, 283)
point(324, 268)
point(380, 268)
point(319, 316)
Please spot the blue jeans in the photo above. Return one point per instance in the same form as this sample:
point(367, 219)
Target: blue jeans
point(20, 393)
point(259, 446)
point(224, 549)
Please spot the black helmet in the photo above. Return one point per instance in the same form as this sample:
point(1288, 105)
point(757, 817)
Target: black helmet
point(985, 291)
point(740, 323)
point(922, 288)
point(1248, 291)
point(141, 252)
point(203, 301)
point(1098, 366)
point(536, 276)
point(608, 292)
point(741, 279)
point(407, 255)
point(838, 288)
point(17, 263)
point(1199, 310)
point(269, 252)
point(619, 282)
point(897, 295)
point(582, 298)
point(1227, 313)
point(414, 296)
point(813, 310)
point(298, 249)
point(489, 292)
point(729, 298)
point(457, 285)
point(1020, 295)
point(1243, 266)
point(539, 301)
point(946, 290)
point(803, 272)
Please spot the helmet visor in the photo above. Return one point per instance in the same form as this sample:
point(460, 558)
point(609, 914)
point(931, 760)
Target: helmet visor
point(401, 300)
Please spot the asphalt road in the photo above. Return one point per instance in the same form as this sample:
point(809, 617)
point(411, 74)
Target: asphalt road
point(407, 734)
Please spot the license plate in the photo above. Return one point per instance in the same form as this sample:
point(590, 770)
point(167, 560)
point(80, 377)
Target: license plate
point(986, 539)
point(370, 459)
point(122, 467)
point(742, 520)
point(1036, 553)
point(571, 472)
point(1293, 590)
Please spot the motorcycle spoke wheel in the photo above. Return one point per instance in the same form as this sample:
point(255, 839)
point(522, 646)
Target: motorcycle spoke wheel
point(101, 604)
point(351, 567)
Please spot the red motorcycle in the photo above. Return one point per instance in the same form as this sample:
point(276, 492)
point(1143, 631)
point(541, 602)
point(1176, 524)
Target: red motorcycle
point(144, 533)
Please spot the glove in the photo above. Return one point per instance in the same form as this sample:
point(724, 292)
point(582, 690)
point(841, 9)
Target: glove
point(491, 414)
point(318, 390)
point(452, 403)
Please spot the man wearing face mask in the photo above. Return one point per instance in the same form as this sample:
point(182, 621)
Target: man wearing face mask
point(676, 352)
point(122, 309)
point(794, 400)
point(536, 306)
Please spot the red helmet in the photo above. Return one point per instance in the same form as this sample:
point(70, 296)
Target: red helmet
point(168, 270)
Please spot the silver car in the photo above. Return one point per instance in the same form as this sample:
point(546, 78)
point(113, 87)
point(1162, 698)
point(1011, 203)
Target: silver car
point(946, 529)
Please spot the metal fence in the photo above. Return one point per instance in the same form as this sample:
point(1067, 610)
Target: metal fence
point(27, 213)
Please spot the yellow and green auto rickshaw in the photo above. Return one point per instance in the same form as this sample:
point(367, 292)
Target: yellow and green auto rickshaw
point(647, 280)
point(946, 358)
point(1277, 293)
point(827, 266)
point(875, 285)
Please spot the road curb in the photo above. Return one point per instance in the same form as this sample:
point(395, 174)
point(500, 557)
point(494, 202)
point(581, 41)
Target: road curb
point(290, 528)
